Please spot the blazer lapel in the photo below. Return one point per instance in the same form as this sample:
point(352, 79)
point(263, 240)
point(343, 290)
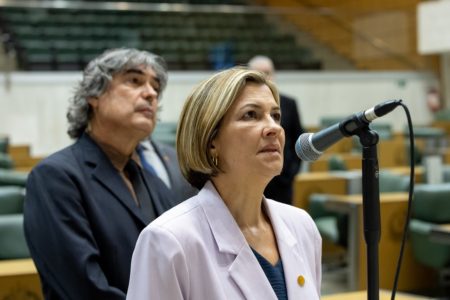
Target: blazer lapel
point(291, 252)
point(248, 275)
point(104, 172)
point(245, 269)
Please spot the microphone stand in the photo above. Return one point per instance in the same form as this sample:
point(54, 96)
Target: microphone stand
point(371, 207)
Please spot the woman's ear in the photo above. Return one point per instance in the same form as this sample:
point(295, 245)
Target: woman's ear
point(212, 148)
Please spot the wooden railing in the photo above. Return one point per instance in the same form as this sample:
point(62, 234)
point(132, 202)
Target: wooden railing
point(23, 160)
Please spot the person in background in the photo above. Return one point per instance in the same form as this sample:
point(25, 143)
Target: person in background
point(161, 159)
point(86, 204)
point(280, 188)
point(229, 241)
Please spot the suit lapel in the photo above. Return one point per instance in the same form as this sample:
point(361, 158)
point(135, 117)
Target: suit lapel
point(104, 172)
point(245, 269)
point(156, 187)
point(292, 255)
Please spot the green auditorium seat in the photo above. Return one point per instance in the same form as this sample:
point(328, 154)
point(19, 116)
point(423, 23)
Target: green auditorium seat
point(9, 177)
point(142, 29)
point(332, 226)
point(336, 163)
point(6, 161)
point(431, 206)
point(12, 237)
point(442, 115)
point(4, 143)
point(11, 199)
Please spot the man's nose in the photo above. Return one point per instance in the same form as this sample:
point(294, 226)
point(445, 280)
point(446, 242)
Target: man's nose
point(149, 92)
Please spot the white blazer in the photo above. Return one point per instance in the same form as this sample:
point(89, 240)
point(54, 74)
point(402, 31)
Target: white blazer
point(196, 251)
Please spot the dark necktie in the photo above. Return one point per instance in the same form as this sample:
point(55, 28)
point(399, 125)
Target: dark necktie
point(140, 189)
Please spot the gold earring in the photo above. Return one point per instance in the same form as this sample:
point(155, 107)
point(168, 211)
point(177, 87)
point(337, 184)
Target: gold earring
point(215, 160)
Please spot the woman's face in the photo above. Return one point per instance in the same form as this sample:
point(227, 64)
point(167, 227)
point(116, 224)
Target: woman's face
point(250, 140)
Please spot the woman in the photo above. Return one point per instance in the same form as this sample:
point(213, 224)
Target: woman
point(229, 241)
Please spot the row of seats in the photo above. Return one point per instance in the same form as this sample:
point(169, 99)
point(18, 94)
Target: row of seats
point(60, 39)
point(12, 194)
point(12, 237)
point(212, 2)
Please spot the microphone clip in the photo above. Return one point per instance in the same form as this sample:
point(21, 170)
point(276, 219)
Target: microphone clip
point(352, 124)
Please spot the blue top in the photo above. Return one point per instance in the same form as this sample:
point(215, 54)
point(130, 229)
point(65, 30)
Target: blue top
point(275, 274)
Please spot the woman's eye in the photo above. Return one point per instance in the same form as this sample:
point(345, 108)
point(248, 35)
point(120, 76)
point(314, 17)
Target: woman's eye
point(250, 115)
point(277, 116)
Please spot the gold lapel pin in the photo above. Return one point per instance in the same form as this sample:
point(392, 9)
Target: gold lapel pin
point(301, 280)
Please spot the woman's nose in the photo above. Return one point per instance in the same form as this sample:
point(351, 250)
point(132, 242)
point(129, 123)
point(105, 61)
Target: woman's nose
point(272, 128)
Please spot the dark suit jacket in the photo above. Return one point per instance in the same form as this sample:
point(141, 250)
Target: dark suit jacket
point(81, 223)
point(181, 189)
point(280, 187)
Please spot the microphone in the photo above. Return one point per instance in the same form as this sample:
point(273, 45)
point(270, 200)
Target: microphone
point(310, 146)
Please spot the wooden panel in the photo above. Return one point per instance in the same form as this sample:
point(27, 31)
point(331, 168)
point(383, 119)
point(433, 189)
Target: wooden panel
point(19, 280)
point(319, 182)
point(362, 295)
point(19, 151)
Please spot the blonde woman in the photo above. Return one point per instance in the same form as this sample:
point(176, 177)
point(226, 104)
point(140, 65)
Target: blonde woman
point(229, 241)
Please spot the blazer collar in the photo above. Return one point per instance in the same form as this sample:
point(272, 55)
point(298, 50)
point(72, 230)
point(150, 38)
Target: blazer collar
point(107, 175)
point(245, 269)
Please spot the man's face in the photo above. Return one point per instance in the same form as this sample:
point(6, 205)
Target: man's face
point(129, 104)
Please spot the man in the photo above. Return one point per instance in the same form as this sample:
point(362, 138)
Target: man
point(86, 204)
point(280, 188)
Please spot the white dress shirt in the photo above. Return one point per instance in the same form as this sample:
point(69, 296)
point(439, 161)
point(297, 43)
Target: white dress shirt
point(154, 161)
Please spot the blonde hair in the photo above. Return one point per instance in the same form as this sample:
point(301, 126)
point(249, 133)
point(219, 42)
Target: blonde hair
point(202, 115)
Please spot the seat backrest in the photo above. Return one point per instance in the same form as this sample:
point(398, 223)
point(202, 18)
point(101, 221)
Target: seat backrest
point(12, 237)
point(9, 177)
point(336, 163)
point(4, 141)
point(6, 161)
point(11, 200)
point(391, 182)
point(432, 203)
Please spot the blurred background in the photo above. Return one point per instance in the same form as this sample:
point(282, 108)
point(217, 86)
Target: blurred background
point(335, 58)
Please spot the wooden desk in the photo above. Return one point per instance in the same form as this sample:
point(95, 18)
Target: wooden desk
point(393, 211)
point(306, 184)
point(391, 153)
point(419, 172)
point(19, 280)
point(441, 233)
point(337, 182)
point(362, 295)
